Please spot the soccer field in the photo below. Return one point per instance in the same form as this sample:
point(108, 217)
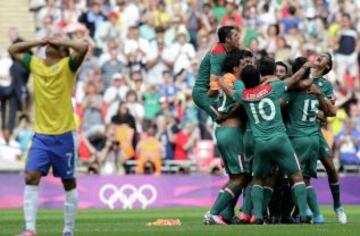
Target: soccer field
point(132, 222)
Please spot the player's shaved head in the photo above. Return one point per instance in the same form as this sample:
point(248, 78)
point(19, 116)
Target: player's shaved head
point(298, 63)
point(267, 66)
point(250, 76)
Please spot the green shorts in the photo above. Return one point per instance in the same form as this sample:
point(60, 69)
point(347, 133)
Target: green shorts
point(201, 99)
point(248, 148)
point(307, 149)
point(324, 150)
point(229, 142)
point(276, 150)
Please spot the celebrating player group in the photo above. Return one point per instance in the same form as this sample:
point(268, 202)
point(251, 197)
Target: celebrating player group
point(268, 117)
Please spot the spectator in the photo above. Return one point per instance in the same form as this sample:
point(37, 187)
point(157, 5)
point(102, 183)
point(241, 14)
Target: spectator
point(158, 59)
point(147, 30)
point(149, 150)
point(290, 21)
point(10, 150)
point(92, 18)
point(135, 107)
point(185, 141)
point(219, 10)
point(111, 67)
point(232, 17)
point(8, 100)
point(184, 52)
point(168, 129)
point(151, 104)
point(283, 50)
point(161, 16)
point(20, 77)
point(107, 29)
point(347, 144)
point(71, 13)
point(23, 133)
point(51, 9)
point(111, 158)
point(346, 54)
point(125, 131)
point(176, 27)
point(93, 123)
point(130, 14)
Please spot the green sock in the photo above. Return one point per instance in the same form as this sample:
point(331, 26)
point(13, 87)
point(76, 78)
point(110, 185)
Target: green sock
point(267, 197)
point(228, 212)
point(247, 203)
point(257, 197)
point(312, 201)
point(335, 192)
point(217, 204)
point(230, 192)
point(299, 195)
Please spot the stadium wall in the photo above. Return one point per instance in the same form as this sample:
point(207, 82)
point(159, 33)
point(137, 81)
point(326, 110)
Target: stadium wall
point(125, 192)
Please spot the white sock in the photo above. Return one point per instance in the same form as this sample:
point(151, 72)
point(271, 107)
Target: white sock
point(31, 204)
point(70, 207)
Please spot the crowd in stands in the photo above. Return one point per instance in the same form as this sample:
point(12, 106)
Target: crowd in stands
point(133, 93)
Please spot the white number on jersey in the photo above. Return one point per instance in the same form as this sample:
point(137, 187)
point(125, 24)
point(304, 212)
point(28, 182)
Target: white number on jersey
point(260, 110)
point(310, 106)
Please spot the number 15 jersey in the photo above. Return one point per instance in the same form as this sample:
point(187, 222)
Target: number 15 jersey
point(302, 109)
point(262, 105)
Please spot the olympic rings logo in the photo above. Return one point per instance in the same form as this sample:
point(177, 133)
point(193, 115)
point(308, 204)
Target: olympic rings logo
point(127, 194)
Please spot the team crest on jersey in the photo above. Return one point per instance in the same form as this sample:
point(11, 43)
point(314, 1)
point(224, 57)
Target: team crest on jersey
point(256, 93)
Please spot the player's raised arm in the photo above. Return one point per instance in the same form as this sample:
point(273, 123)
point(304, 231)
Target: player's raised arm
point(79, 48)
point(295, 78)
point(18, 50)
point(326, 105)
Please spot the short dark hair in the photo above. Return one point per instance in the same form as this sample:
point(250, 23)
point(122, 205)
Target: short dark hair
point(224, 32)
point(246, 53)
point(292, 10)
point(280, 63)
point(330, 64)
point(347, 15)
point(298, 63)
point(250, 76)
point(232, 60)
point(267, 66)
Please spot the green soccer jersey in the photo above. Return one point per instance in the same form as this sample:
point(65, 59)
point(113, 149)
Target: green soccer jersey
point(325, 86)
point(210, 65)
point(224, 102)
point(302, 109)
point(263, 109)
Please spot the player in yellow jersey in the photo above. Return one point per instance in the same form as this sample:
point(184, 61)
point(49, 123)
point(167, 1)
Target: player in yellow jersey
point(53, 144)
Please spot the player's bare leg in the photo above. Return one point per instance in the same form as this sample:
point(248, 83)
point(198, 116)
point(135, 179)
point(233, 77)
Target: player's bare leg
point(333, 179)
point(70, 206)
point(31, 202)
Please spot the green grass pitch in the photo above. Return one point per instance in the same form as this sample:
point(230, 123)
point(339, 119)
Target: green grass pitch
point(132, 223)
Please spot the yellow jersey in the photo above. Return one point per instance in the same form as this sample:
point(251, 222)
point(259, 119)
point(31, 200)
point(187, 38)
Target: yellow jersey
point(53, 86)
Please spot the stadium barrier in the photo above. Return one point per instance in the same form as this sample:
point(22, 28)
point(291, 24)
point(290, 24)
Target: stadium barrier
point(126, 192)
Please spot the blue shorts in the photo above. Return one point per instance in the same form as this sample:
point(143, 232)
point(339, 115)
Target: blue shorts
point(56, 151)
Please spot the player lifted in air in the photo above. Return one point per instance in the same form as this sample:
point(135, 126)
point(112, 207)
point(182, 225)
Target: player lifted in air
point(229, 140)
point(211, 69)
point(323, 67)
point(53, 144)
point(262, 106)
